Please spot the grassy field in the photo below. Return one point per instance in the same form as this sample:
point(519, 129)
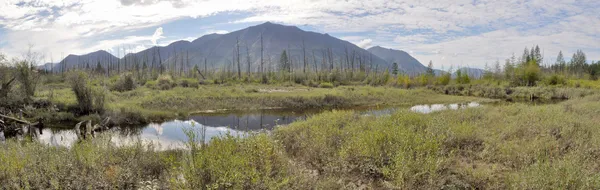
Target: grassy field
point(145, 104)
point(515, 146)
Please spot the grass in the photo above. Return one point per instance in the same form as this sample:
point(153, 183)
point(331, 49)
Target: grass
point(514, 146)
point(541, 93)
point(145, 104)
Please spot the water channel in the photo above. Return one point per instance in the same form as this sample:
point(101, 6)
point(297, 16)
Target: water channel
point(172, 134)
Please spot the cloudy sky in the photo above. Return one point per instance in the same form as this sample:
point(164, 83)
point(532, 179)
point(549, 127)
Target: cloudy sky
point(450, 33)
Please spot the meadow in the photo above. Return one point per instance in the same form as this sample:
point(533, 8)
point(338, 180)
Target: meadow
point(143, 105)
point(512, 146)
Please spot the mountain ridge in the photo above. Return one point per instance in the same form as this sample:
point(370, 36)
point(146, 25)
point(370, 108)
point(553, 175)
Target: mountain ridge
point(220, 51)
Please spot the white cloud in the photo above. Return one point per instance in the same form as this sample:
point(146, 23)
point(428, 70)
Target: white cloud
point(157, 35)
point(452, 27)
point(412, 39)
point(366, 43)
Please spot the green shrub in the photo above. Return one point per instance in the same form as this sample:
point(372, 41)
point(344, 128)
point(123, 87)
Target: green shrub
point(28, 78)
point(124, 83)
point(151, 84)
point(165, 82)
point(326, 85)
point(188, 83)
point(231, 162)
point(556, 79)
point(88, 99)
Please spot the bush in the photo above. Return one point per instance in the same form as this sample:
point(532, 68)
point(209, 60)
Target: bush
point(28, 79)
point(188, 83)
point(151, 84)
point(124, 83)
point(444, 79)
point(165, 82)
point(556, 80)
point(88, 99)
point(237, 163)
point(326, 85)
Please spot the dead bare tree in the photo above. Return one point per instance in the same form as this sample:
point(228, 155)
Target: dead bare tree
point(261, 53)
point(304, 55)
point(248, 60)
point(237, 44)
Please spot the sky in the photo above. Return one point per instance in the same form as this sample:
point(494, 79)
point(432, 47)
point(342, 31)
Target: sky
point(472, 33)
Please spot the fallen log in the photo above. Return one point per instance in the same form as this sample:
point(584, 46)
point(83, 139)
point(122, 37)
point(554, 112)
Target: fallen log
point(17, 120)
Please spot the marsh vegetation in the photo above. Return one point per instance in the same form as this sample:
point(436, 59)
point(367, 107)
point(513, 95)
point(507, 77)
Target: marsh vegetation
point(514, 145)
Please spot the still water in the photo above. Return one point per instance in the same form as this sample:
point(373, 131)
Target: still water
point(172, 134)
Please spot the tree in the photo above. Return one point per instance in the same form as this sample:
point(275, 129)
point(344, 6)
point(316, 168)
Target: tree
point(462, 78)
point(525, 57)
point(578, 63)
point(27, 74)
point(6, 79)
point(237, 44)
point(99, 68)
point(531, 73)
point(497, 70)
point(395, 68)
point(430, 71)
point(284, 63)
point(261, 54)
point(538, 55)
point(509, 69)
point(560, 62)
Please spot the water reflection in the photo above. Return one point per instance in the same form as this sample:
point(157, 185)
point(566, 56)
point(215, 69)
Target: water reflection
point(172, 134)
point(425, 109)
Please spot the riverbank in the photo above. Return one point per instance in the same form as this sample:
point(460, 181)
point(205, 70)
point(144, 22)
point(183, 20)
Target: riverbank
point(518, 146)
point(144, 105)
point(539, 94)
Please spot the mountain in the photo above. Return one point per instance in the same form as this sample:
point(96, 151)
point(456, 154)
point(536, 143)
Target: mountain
point(405, 62)
point(220, 51)
point(90, 59)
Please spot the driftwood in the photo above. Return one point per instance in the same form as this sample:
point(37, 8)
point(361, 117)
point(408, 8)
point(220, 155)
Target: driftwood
point(88, 130)
point(21, 121)
point(19, 126)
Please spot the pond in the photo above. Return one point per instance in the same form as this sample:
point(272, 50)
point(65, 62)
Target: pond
point(172, 134)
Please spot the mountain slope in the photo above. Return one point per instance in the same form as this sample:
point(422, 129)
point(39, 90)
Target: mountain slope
point(405, 62)
point(81, 61)
point(220, 51)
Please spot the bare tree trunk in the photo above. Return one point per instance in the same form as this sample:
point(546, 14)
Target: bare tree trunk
point(248, 60)
point(304, 56)
point(238, 58)
point(261, 54)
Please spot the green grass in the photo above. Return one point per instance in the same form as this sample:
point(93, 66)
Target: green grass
point(540, 93)
point(146, 104)
point(515, 146)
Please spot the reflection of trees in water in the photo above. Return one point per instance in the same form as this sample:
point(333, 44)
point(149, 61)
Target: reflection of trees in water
point(130, 130)
point(263, 120)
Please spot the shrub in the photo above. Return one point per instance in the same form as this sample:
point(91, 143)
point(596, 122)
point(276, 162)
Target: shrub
point(556, 80)
point(237, 163)
point(88, 99)
point(151, 84)
point(188, 83)
point(404, 81)
point(28, 79)
point(165, 82)
point(325, 85)
point(444, 79)
point(124, 83)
